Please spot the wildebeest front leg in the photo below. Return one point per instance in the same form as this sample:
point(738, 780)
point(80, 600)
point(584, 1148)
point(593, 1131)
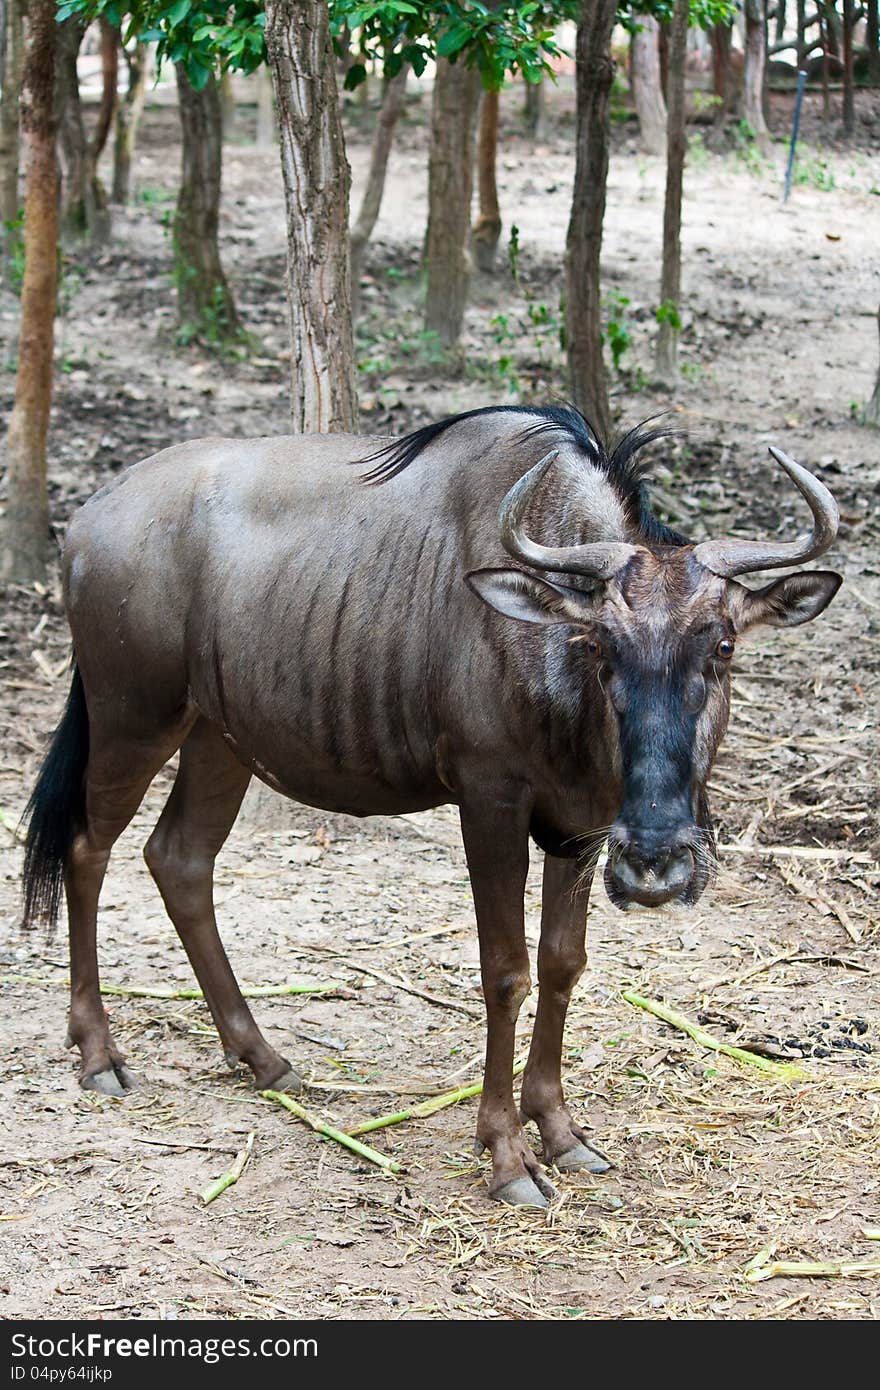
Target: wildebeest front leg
point(497, 849)
point(561, 960)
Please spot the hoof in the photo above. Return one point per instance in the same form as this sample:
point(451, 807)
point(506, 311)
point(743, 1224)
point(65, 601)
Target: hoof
point(479, 1148)
point(523, 1192)
point(580, 1158)
point(115, 1081)
point(289, 1080)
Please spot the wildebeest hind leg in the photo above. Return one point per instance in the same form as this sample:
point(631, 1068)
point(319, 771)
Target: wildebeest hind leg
point(197, 818)
point(119, 771)
point(561, 960)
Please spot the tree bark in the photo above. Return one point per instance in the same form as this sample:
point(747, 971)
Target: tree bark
point(645, 79)
point(10, 77)
point(872, 409)
point(753, 79)
point(873, 40)
point(128, 117)
point(23, 539)
point(723, 84)
point(317, 183)
point(267, 130)
point(670, 280)
point(849, 105)
point(383, 136)
point(536, 109)
point(109, 89)
point(801, 41)
point(450, 173)
point(595, 71)
point(487, 229)
point(85, 215)
point(205, 306)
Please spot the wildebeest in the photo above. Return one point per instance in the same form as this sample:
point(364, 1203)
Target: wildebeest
point(385, 649)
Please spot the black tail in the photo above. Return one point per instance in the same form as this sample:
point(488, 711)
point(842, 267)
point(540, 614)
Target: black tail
point(56, 810)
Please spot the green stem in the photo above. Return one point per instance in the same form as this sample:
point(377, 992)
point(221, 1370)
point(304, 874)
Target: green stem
point(429, 1106)
point(328, 1131)
point(231, 1175)
point(739, 1054)
point(144, 992)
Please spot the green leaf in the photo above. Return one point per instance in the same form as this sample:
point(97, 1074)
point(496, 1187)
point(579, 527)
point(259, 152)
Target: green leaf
point(454, 40)
point(177, 13)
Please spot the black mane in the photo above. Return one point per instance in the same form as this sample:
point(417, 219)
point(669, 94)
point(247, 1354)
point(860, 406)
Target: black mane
point(624, 466)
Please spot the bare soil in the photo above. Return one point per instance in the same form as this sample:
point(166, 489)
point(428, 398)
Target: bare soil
point(714, 1162)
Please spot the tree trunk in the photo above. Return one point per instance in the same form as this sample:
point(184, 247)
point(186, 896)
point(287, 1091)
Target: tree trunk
point(85, 215)
point(723, 85)
point(753, 79)
point(109, 89)
point(645, 79)
point(205, 307)
point(267, 129)
point(392, 105)
point(849, 106)
point(26, 522)
point(536, 109)
point(317, 182)
point(128, 117)
point(583, 332)
point(872, 409)
point(10, 78)
point(823, 38)
point(873, 41)
point(670, 280)
point(450, 173)
point(487, 228)
point(227, 105)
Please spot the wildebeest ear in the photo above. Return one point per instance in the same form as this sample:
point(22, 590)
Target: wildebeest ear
point(788, 602)
point(529, 599)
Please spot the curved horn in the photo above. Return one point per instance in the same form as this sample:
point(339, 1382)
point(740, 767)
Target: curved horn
point(730, 557)
point(600, 560)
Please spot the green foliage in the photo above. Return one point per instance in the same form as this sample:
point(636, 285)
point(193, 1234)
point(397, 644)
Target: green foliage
point(13, 252)
point(814, 170)
point(702, 13)
point(667, 312)
point(617, 331)
point(746, 149)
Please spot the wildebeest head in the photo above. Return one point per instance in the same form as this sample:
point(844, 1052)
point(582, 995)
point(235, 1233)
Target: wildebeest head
point(658, 627)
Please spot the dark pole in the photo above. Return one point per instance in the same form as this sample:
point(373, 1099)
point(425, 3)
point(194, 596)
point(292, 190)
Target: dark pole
point(799, 96)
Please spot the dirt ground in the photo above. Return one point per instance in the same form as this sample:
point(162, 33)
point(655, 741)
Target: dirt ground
point(714, 1162)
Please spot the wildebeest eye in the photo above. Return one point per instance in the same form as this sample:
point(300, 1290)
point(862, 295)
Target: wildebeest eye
point(725, 648)
point(593, 647)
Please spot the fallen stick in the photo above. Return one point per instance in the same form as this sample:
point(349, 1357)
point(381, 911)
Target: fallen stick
point(11, 825)
point(810, 1269)
point(231, 1175)
point(146, 992)
point(414, 989)
point(782, 1071)
point(425, 1108)
point(813, 894)
point(857, 856)
point(328, 1131)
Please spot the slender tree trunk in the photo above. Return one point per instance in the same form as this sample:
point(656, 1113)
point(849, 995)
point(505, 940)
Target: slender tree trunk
point(267, 130)
point(873, 41)
point(536, 109)
point(85, 215)
point(317, 182)
point(780, 20)
point(227, 105)
point(583, 331)
point(487, 229)
point(383, 136)
point(849, 106)
point(670, 280)
point(10, 76)
point(450, 173)
point(23, 538)
point(128, 117)
point(872, 409)
point(205, 307)
point(823, 37)
point(645, 79)
point(722, 76)
point(753, 80)
point(109, 89)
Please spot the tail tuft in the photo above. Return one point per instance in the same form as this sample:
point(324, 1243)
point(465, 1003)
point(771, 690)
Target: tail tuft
point(56, 810)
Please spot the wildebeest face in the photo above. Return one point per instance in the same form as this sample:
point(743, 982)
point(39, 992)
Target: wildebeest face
point(657, 638)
